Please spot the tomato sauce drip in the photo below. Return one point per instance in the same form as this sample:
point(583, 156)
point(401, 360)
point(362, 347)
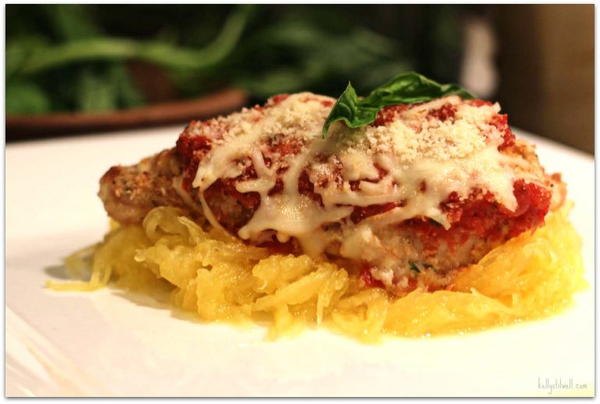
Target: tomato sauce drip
point(534, 203)
point(482, 216)
point(500, 121)
point(191, 149)
point(367, 278)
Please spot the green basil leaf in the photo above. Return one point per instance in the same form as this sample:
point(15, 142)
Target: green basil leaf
point(352, 110)
point(406, 88)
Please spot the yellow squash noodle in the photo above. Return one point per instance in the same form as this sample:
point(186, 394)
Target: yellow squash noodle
point(222, 279)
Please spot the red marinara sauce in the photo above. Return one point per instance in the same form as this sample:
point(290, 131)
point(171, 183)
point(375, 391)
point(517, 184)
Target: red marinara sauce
point(481, 215)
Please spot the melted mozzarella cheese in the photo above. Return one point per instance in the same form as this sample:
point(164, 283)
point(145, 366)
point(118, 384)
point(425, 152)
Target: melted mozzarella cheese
point(448, 156)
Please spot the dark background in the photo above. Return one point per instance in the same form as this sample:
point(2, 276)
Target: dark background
point(536, 60)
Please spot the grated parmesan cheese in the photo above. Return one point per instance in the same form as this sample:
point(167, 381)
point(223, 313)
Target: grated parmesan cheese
point(452, 155)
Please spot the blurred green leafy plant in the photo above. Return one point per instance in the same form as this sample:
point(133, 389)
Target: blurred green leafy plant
point(91, 66)
point(61, 57)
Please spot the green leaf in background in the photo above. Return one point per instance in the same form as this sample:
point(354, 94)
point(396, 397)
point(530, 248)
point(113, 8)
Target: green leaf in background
point(105, 88)
point(19, 50)
point(163, 54)
point(263, 49)
point(96, 87)
point(406, 88)
point(25, 98)
point(93, 65)
point(71, 22)
point(94, 94)
point(312, 58)
point(128, 94)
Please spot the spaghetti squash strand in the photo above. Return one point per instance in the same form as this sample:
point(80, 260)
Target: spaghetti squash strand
point(221, 279)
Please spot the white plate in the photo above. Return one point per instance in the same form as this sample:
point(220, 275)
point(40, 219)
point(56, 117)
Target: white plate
point(108, 344)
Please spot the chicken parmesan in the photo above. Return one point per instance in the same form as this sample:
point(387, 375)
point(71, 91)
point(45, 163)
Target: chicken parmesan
point(405, 202)
point(413, 211)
